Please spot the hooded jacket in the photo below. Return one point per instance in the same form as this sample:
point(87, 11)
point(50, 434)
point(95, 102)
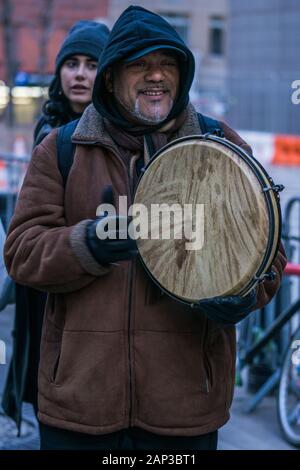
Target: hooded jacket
point(115, 352)
point(135, 30)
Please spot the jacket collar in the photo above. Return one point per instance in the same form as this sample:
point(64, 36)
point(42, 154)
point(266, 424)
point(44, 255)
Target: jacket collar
point(91, 130)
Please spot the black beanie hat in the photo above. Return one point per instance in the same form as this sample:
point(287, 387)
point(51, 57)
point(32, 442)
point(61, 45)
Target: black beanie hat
point(86, 38)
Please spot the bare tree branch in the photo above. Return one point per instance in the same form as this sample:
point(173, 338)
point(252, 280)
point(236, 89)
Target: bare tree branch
point(10, 55)
point(47, 28)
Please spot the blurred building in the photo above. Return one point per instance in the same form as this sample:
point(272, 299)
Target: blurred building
point(38, 28)
point(203, 26)
point(31, 32)
point(263, 62)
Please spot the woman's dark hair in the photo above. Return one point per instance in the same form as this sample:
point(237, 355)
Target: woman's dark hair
point(57, 109)
point(56, 112)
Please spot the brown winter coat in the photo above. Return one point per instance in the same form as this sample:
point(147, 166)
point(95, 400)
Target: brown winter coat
point(115, 352)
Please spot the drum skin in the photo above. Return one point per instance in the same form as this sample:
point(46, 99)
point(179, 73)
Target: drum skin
point(240, 227)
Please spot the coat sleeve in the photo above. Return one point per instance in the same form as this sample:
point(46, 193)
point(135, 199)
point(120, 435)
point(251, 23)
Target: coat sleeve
point(39, 251)
point(234, 137)
point(267, 289)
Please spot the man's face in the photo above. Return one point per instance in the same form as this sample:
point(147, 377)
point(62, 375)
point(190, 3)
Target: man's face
point(146, 87)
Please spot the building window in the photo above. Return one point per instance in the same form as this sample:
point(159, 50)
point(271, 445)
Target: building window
point(180, 23)
point(216, 32)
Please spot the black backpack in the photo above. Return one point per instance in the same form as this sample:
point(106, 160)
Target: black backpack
point(66, 148)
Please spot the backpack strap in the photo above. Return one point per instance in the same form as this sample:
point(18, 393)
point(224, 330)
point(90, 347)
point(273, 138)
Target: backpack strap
point(209, 125)
point(65, 149)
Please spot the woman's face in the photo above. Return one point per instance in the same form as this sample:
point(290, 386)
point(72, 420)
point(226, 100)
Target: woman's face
point(77, 76)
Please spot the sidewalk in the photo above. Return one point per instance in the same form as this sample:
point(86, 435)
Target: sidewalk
point(258, 430)
point(8, 432)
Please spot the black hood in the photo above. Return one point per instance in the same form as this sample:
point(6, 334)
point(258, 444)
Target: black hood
point(137, 29)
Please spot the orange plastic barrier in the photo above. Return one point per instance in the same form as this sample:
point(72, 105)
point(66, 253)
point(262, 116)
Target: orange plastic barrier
point(292, 269)
point(287, 150)
point(3, 176)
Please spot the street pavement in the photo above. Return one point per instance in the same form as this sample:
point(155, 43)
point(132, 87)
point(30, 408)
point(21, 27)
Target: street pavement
point(29, 438)
point(258, 430)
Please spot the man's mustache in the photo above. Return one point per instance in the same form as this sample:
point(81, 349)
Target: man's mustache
point(153, 88)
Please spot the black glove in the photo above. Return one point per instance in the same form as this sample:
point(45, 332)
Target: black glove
point(114, 249)
point(228, 310)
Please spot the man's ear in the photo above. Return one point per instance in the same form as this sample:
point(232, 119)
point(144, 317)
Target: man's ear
point(108, 79)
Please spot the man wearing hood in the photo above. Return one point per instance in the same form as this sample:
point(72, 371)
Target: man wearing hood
point(121, 365)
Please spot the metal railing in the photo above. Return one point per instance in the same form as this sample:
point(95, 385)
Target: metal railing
point(12, 172)
point(264, 336)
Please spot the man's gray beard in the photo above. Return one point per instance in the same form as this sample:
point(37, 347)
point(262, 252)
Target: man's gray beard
point(136, 113)
point(156, 118)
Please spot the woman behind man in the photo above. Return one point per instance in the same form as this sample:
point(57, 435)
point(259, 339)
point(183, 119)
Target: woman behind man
point(70, 92)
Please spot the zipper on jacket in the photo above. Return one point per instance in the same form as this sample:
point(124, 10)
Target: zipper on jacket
point(130, 192)
point(206, 363)
point(207, 385)
point(129, 339)
point(208, 373)
point(131, 271)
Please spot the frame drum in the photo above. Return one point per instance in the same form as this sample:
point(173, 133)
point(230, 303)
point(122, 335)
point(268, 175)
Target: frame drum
point(238, 235)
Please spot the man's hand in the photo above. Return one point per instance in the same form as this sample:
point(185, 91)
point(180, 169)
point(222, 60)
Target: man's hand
point(228, 310)
point(117, 245)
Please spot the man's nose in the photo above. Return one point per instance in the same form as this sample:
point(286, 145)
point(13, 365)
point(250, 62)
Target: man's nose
point(154, 74)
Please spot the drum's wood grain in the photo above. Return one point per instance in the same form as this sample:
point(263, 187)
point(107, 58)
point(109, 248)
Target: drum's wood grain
point(236, 221)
